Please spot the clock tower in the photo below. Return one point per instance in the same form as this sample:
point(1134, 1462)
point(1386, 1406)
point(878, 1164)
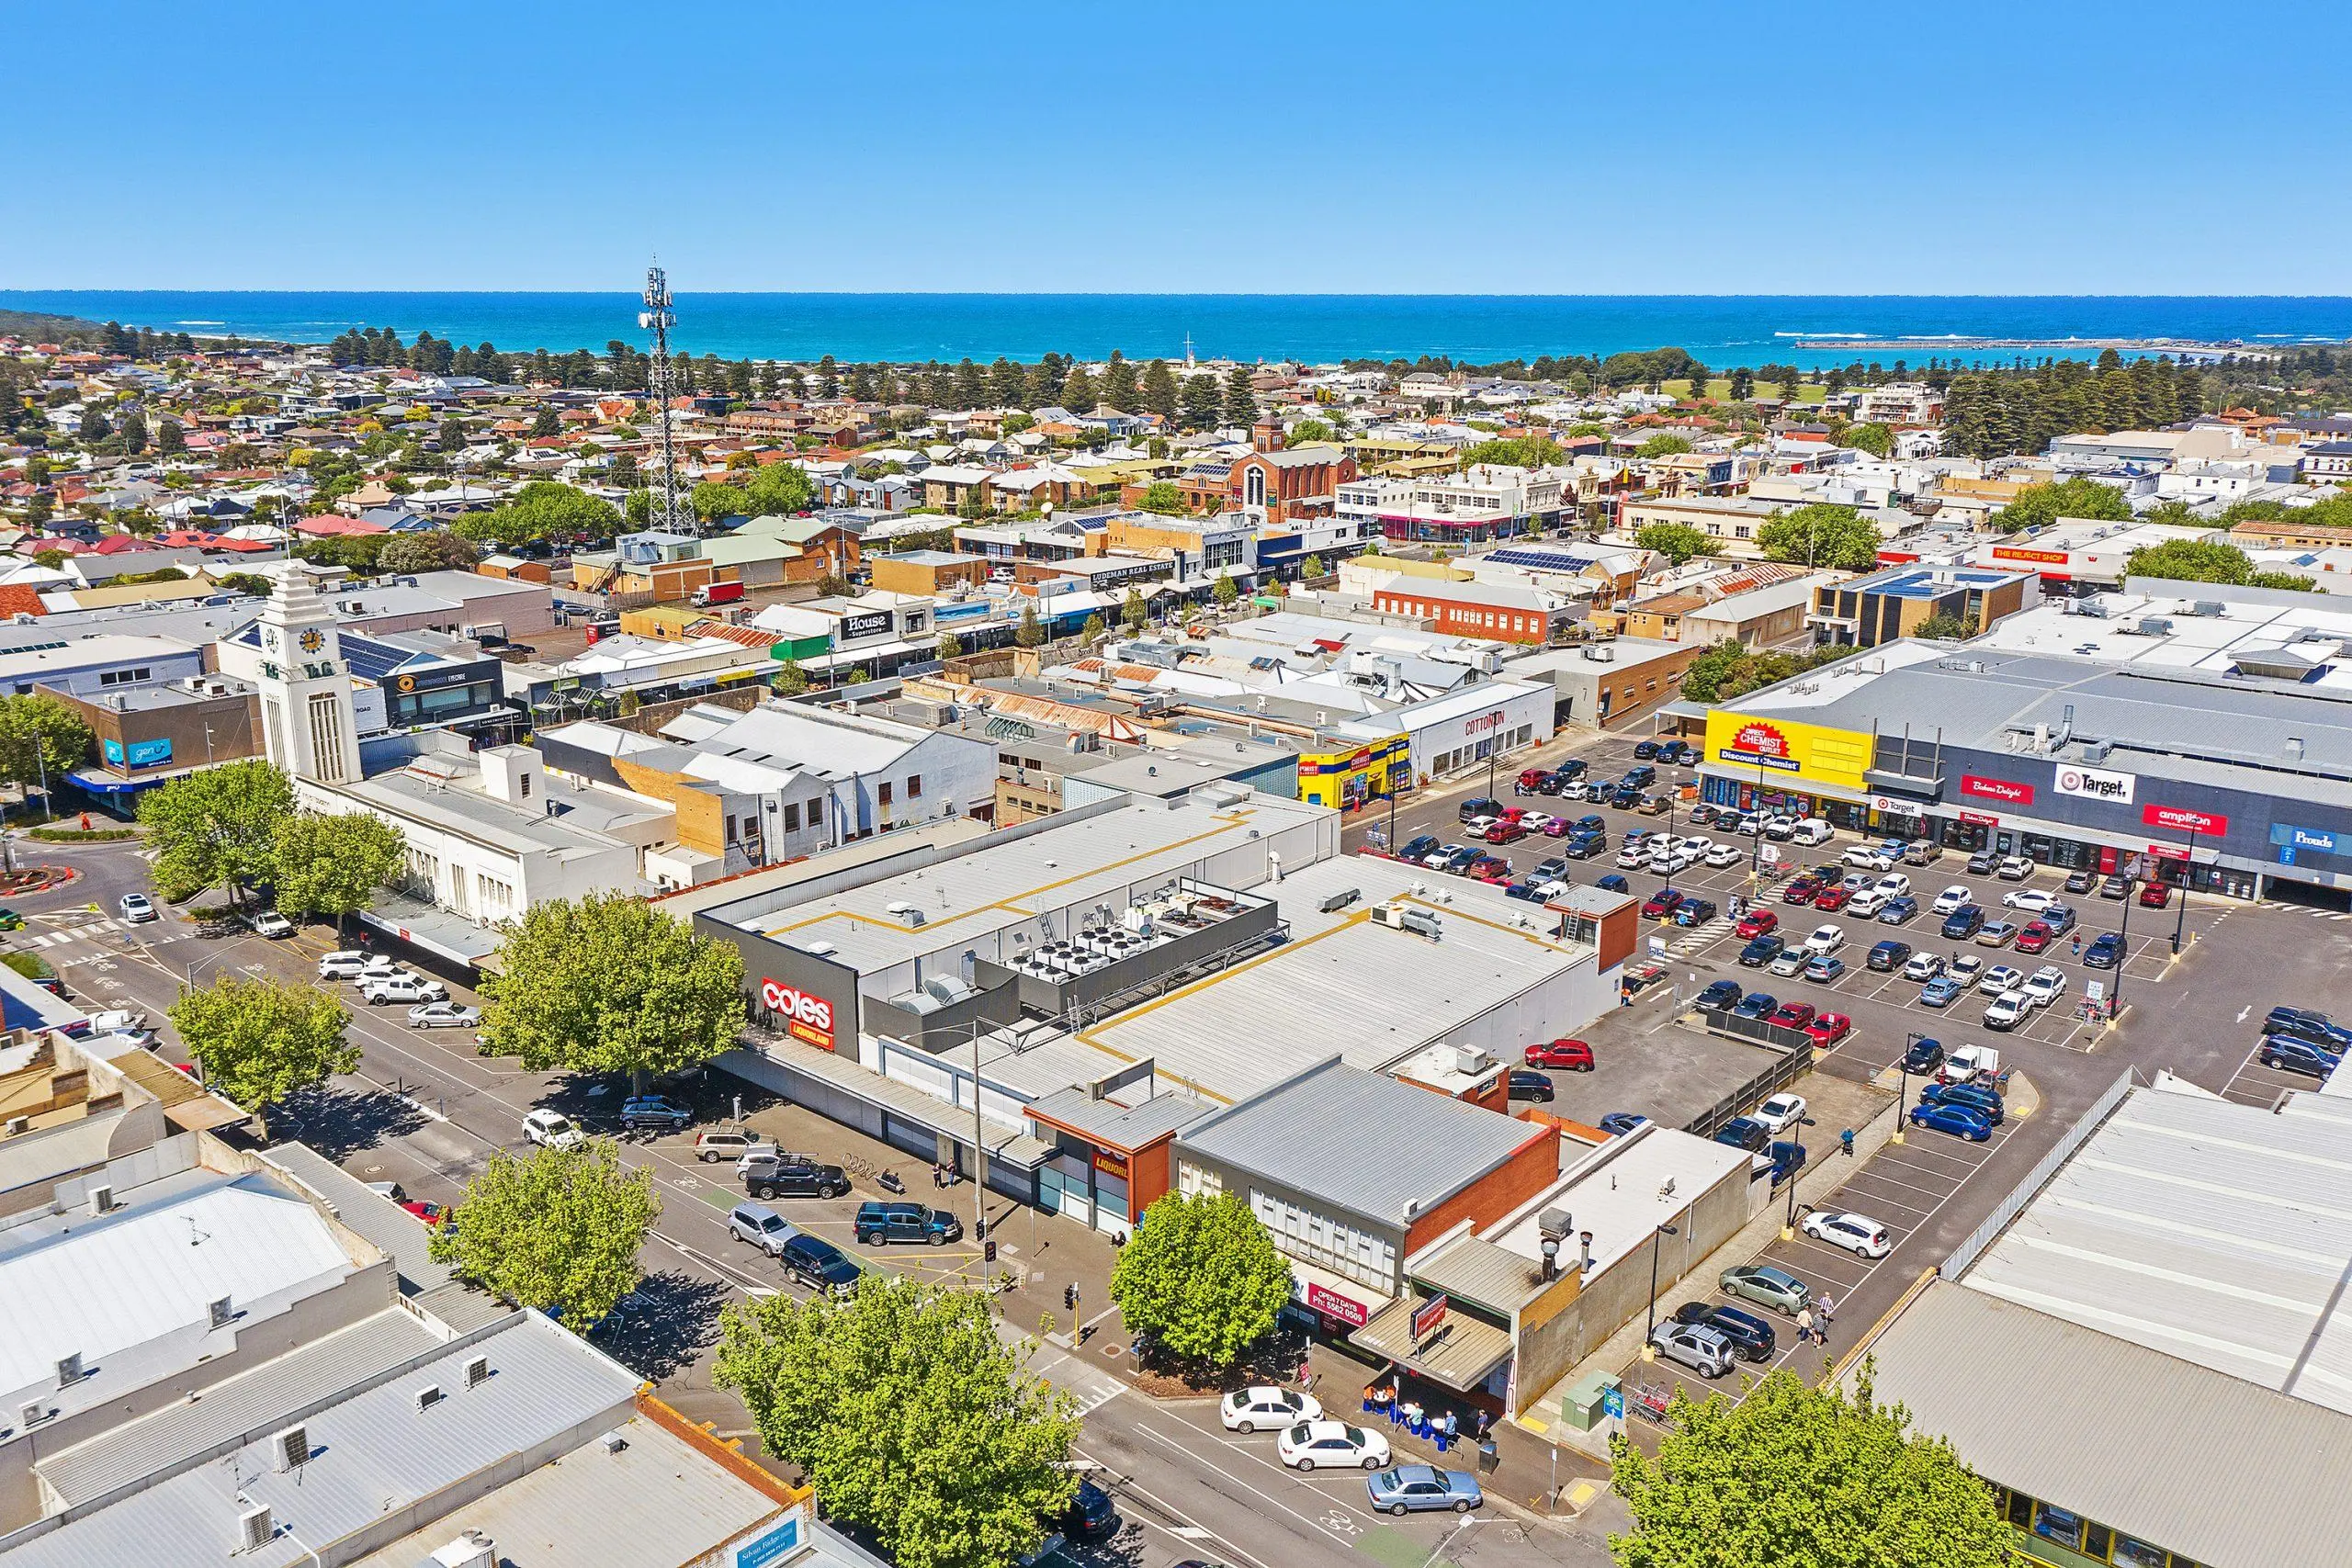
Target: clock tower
point(307, 717)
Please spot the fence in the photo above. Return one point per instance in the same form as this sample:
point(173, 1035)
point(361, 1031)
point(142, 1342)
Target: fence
point(1791, 1066)
point(1755, 1031)
point(2008, 1208)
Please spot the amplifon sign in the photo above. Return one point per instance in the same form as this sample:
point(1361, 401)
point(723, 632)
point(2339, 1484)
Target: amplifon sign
point(2008, 791)
point(2095, 783)
point(805, 1017)
point(2181, 819)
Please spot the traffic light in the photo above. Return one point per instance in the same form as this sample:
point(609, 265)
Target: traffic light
point(1070, 1298)
point(987, 1252)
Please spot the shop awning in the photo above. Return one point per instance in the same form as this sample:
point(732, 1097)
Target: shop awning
point(1335, 1296)
point(1461, 1353)
point(903, 1101)
point(437, 930)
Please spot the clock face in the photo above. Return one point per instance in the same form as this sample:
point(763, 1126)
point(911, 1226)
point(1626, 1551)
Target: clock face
point(312, 641)
point(269, 639)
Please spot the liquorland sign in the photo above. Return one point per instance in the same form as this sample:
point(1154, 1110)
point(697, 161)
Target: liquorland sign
point(805, 1017)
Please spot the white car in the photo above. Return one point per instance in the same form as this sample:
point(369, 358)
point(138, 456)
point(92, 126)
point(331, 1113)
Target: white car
point(1894, 884)
point(1476, 827)
point(1725, 855)
point(271, 924)
point(1924, 967)
point(2000, 978)
point(2006, 1011)
point(1536, 822)
point(1812, 830)
point(2032, 900)
point(1870, 857)
point(137, 907)
point(401, 987)
point(1630, 856)
point(1858, 1234)
point(1780, 1111)
point(1264, 1405)
point(443, 1015)
point(1698, 845)
point(1971, 1062)
point(1951, 900)
point(1750, 827)
point(1824, 940)
point(347, 965)
point(118, 1020)
point(1964, 966)
point(2045, 986)
point(2015, 868)
point(1331, 1443)
point(1869, 902)
point(1779, 829)
point(553, 1130)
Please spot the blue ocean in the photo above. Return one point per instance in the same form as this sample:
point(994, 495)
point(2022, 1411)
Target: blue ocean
point(1722, 330)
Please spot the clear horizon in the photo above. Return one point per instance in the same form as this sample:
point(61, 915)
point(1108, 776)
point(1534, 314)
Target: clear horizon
point(1318, 149)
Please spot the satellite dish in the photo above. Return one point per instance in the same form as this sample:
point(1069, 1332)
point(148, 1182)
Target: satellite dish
point(1048, 509)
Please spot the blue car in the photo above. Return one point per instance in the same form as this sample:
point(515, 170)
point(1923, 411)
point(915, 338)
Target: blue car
point(2104, 953)
point(1941, 991)
point(1720, 993)
point(1615, 884)
point(1924, 1055)
point(1694, 911)
point(1963, 923)
point(1423, 1488)
point(1898, 910)
point(2299, 1056)
point(1984, 1102)
point(1760, 951)
point(1617, 1123)
point(1959, 1121)
point(1755, 1004)
point(1787, 1160)
point(2059, 918)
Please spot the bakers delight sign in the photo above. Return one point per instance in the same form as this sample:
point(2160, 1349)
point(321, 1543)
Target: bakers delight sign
point(805, 1017)
point(2008, 791)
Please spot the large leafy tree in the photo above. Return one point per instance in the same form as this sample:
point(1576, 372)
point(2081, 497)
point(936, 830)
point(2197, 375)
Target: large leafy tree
point(2038, 504)
point(332, 864)
point(556, 1229)
point(261, 1040)
point(1821, 535)
point(1201, 1278)
point(41, 737)
point(1663, 444)
point(1678, 542)
point(908, 1413)
point(1798, 1477)
point(439, 551)
point(1513, 451)
point(220, 825)
point(609, 984)
point(1164, 497)
point(540, 510)
point(1875, 438)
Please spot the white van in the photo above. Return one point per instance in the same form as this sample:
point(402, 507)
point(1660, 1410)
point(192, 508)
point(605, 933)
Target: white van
point(1812, 830)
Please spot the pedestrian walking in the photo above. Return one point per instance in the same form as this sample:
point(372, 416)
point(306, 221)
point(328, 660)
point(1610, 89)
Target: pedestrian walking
point(1847, 1138)
point(2078, 944)
point(1485, 1419)
point(1828, 1305)
point(1306, 1373)
point(1804, 1325)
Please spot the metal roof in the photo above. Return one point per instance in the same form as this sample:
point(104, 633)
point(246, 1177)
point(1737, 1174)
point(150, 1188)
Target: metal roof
point(1119, 1126)
point(1475, 1270)
point(2183, 1458)
point(2210, 1231)
point(1360, 1142)
point(403, 1238)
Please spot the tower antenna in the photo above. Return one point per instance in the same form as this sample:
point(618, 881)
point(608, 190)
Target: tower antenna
point(661, 381)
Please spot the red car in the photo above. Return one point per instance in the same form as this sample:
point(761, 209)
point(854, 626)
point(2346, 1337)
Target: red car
point(1661, 903)
point(431, 1213)
point(1509, 830)
point(1801, 891)
point(1793, 1015)
point(1759, 922)
point(2156, 895)
point(1573, 1055)
point(2036, 937)
point(1830, 1028)
point(1534, 778)
point(1833, 898)
point(1487, 869)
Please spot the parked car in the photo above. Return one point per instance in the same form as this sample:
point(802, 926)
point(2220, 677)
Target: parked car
point(1267, 1406)
point(1984, 863)
point(1823, 970)
point(1476, 806)
point(879, 1224)
point(1872, 857)
point(654, 1110)
point(1743, 1133)
point(2079, 882)
point(1963, 923)
point(2000, 933)
point(1834, 899)
point(2105, 952)
point(443, 1015)
point(1612, 884)
point(1950, 901)
point(1828, 1028)
point(1858, 1234)
point(1421, 1488)
point(2298, 1055)
point(770, 1175)
point(1979, 1098)
point(1923, 967)
point(1420, 846)
point(1719, 995)
point(1789, 964)
point(1528, 1085)
point(1750, 1335)
point(1793, 1015)
point(1888, 956)
point(1966, 1064)
point(1699, 1347)
point(1760, 951)
point(1898, 910)
point(715, 1144)
point(1941, 991)
point(271, 924)
point(761, 1226)
point(2059, 918)
point(1825, 939)
point(1804, 890)
point(2013, 868)
point(1331, 1445)
point(2115, 887)
point(1693, 912)
point(1660, 904)
point(400, 986)
point(2044, 986)
point(1959, 1121)
point(2032, 900)
point(1762, 1283)
point(1923, 1055)
point(2304, 1023)
point(10, 920)
point(551, 1130)
point(1778, 1113)
point(820, 1265)
point(2036, 937)
point(137, 907)
point(1724, 856)
point(1617, 1123)
point(1755, 1004)
point(2000, 978)
point(1922, 851)
point(1091, 1516)
point(2156, 895)
point(1574, 1055)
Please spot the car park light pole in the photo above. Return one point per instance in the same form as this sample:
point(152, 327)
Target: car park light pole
point(2123, 949)
point(1902, 1095)
point(2180, 921)
point(1789, 1225)
point(1649, 1351)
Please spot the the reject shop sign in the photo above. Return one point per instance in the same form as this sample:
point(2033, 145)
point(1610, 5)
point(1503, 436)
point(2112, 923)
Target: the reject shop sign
point(2008, 791)
point(2181, 819)
point(805, 1017)
point(2095, 783)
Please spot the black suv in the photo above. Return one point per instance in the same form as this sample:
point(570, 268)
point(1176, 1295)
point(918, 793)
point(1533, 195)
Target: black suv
point(820, 1265)
point(880, 1224)
point(1479, 805)
point(793, 1179)
point(1749, 1335)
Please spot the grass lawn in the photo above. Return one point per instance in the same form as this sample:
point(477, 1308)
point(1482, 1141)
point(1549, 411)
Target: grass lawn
point(1719, 388)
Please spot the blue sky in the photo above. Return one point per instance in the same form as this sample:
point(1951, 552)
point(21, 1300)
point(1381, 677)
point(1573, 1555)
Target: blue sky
point(1264, 147)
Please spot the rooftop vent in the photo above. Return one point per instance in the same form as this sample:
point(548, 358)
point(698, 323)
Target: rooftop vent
point(477, 1371)
point(1557, 1223)
point(256, 1528)
point(290, 1450)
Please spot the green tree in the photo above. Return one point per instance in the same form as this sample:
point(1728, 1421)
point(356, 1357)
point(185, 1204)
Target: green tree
point(1943, 629)
point(781, 489)
point(555, 1229)
point(439, 550)
point(170, 439)
point(1240, 405)
point(1513, 451)
point(1119, 390)
point(1091, 632)
point(949, 647)
point(1164, 497)
point(1876, 439)
point(789, 681)
point(1802, 1476)
point(1077, 390)
point(1821, 535)
point(2039, 505)
point(1133, 613)
point(1031, 632)
point(609, 984)
point(1678, 542)
point(134, 432)
point(1312, 567)
point(1663, 444)
point(40, 738)
point(1160, 396)
point(261, 1040)
point(332, 864)
point(2193, 560)
point(908, 1413)
point(541, 510)
point(1201, 1279)
point(1200, 401)
point(220, 825)
point(1224, 591)
point(545, 425)
point(1308, 431)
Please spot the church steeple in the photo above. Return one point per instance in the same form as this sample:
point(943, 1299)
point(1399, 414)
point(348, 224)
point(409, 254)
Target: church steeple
point(308, 721)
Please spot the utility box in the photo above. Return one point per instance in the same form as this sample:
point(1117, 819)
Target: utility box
point(1581, 1405)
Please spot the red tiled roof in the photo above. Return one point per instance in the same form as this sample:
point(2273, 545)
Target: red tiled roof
point(328, 524)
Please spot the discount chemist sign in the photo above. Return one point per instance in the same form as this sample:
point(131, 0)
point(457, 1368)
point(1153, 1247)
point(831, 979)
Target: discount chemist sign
point(1789, 750)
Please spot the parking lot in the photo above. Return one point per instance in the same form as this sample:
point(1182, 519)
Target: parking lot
point(1646, 1064)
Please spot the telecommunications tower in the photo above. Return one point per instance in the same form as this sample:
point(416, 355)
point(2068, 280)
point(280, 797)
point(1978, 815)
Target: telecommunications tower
point(662, 383)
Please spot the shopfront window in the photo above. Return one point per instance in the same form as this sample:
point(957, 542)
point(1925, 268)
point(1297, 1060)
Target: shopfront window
point(1968, 836)
point(2132, 1553)
point(2058, 1525)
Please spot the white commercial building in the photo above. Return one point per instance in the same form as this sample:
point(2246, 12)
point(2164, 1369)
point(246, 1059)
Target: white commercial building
point(1465, 729)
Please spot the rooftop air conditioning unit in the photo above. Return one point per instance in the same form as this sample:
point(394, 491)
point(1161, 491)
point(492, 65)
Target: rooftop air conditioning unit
point(1557, 1223)
point(477, 1371)
point(1601, 652)
point(2155, 626)
point(1404, 917)
point(2096, 750)
point(101, 1198)
point(2206, 607)
point(19, 1125)
point(290, 1450)
point(69, 1370)
point(256, 1528)
point(221, 1311)
point(1469, 1059)
point(428, 1397)
point(471, 1550)
point(32, 1412)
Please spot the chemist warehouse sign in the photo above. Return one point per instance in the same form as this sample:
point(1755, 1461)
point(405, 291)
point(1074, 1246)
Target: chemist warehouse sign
point(1788, 751)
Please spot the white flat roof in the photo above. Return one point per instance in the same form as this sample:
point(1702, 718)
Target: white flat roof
point(1620, 1192)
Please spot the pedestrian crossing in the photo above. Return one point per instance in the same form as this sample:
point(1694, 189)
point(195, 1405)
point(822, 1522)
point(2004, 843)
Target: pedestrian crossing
point(98, 928)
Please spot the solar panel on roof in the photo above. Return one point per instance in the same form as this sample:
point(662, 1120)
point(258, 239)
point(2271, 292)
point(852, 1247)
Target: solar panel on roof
point(1541, 560)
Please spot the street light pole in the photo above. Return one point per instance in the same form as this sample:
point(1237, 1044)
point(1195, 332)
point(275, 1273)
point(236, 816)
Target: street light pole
point(2123, 939)
point(1789, 1225)
point(1902, 1095)
point(2180, 921)
point(1649, 1351)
